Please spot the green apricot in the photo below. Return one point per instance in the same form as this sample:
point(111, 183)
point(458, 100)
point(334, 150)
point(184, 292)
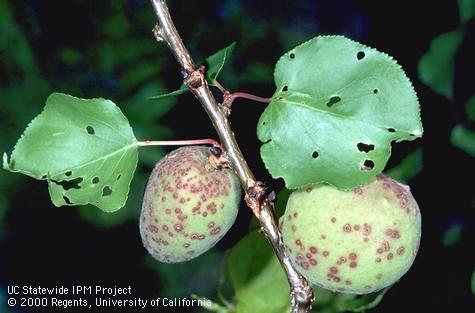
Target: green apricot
point(356, 241)
point(188, 205)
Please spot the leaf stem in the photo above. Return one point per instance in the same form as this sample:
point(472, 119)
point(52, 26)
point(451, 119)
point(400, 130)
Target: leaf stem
point(178, 142)
point(249, 96)
point(301, 294)
point(229, 97)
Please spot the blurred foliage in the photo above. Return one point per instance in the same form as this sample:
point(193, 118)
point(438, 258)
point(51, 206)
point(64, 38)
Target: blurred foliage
point(199, 275)
point(4, 307)
point(473, 282)
point(463, 138)
point(409, 167)
point(452, 235)
point(436, 67)
point(470, 108)
point(255, 275)
point(121, 61)
point(466, 10)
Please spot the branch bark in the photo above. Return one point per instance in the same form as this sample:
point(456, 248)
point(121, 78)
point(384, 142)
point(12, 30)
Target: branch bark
point(301, 295)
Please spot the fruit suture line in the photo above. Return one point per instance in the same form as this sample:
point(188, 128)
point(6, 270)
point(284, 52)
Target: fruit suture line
point(301, 293)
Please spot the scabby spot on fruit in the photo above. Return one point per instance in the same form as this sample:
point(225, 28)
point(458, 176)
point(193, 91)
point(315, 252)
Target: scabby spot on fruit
point(400, 250)
point(347, 228)
point(377, 259)
point(358, 191)
point(393, 233)
point(185, 191)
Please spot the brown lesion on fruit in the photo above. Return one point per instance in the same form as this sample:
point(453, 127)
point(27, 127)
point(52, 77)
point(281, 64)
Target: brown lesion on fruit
point(332, 274)
point(358, 191)
point(400, 250)
point(341, 260)
point(215, 231)
point(393, 233)
point(347, 228)
point(299, 244)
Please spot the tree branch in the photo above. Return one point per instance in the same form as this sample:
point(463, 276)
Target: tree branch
point(301, 293)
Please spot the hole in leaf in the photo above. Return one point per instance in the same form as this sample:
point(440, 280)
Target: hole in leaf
point(90, 130)
point(285, 88)
point(412, 135)
point(363, 147)
point(118, 177)
point(106, 191)
point(375, 91)
point(66, 199)
point(68, 173)
point(391, 130)
point(292, 55)
point(44, 176)
point(368, 165)
point(95, 180)
point(315, 154)
point(263, 123)
point(70, 184)
point(360, 55)
point(333, 100)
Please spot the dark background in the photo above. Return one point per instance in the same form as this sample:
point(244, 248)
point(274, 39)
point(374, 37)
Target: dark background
point(70, 46)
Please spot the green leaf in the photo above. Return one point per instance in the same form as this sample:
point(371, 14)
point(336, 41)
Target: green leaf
point(177, 92)
point(470, 108)
point(257, 277)
point(217, 61)
point(365, 302)
point(436, 67)
point(466, 10)
point(409, 167)
point(463, 138)
point(337, 108)
point(452, 235)
point(198, 276)
point(215, 64)
point(473, 283)
point(85, 149)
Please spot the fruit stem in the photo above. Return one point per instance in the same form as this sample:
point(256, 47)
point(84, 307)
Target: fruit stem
point(208, 141)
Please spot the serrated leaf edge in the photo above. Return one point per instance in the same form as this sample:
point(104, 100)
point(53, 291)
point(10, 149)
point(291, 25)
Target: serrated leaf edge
point(286, 54)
